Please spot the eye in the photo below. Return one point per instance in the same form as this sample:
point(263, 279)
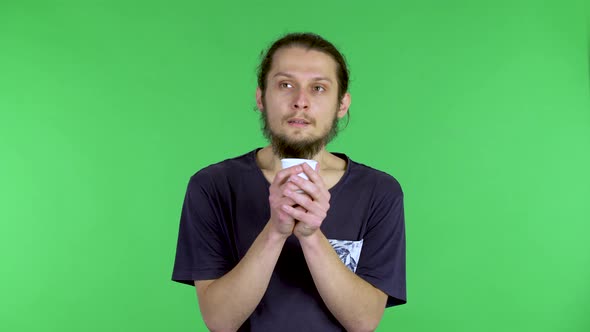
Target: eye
point(319, 88)
point(285, 85)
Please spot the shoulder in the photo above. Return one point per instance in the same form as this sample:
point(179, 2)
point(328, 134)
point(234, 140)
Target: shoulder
point(378, 180)
point(220, 172)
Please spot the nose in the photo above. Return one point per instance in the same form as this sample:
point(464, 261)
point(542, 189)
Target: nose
point(301, 101)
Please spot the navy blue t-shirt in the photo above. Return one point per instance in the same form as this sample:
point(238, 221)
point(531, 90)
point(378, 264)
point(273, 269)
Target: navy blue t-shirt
point(226, 207)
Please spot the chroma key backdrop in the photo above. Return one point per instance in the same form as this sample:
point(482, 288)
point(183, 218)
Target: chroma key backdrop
point(480, 109)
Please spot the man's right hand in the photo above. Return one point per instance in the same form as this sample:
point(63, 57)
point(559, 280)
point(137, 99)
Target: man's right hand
point(281, 222)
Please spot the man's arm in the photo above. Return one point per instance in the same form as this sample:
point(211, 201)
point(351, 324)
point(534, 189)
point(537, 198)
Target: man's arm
point(227, 302)
point(356, 304)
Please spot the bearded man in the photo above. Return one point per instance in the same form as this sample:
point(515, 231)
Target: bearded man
point(269, 250)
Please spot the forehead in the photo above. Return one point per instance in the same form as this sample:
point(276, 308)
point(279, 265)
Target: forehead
point(303, 62)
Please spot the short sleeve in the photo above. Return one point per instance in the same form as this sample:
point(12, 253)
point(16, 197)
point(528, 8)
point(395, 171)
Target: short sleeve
point(382, 262)
point(202, 250)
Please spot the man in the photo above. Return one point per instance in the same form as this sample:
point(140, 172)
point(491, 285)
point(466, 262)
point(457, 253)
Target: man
point(268, 250)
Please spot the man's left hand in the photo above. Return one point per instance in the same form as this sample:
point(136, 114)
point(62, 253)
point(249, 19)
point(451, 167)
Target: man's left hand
point(315, 201)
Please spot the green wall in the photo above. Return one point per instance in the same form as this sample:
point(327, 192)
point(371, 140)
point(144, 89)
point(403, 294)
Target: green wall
point(480, 109)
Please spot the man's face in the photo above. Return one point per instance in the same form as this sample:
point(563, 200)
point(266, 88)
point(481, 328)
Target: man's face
point(300, 110)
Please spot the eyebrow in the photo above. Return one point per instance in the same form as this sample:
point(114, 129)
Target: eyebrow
point(319, 78)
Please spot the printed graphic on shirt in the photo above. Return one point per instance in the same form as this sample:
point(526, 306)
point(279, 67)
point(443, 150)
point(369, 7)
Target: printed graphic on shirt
point(348, 251)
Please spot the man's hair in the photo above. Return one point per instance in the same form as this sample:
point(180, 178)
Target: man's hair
point(309, 41)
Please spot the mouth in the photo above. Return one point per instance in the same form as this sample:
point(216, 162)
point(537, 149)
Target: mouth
point(298, 122)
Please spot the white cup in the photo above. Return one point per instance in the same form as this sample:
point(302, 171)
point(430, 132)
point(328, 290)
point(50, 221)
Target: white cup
point(288, 162)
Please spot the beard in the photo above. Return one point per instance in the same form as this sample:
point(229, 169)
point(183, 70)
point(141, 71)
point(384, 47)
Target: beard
point(284, 147)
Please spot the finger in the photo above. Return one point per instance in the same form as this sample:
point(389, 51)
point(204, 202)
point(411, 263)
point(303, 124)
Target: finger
point(297, 207)
point(303, 218)
point(313, 175)
point(313, 190)
point(287, 201)
point(298, 214)
point(307, 203)
point(289, 185)
point(284, 174)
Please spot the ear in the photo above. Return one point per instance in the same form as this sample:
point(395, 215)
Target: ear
point(259, 99)
point(344, 105)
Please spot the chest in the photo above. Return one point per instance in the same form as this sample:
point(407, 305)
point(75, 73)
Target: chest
point(347, 217)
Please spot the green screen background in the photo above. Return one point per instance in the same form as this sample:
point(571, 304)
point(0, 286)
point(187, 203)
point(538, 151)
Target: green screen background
point(480, 109)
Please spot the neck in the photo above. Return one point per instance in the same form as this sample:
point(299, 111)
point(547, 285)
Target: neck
point(268, 160)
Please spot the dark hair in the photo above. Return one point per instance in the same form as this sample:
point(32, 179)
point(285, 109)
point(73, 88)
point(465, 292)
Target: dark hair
point(309, 41)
